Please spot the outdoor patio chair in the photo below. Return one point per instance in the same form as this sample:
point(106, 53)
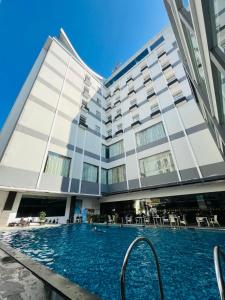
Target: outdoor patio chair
point(128, 220)
point(110, 220)
point(165, 221)
point(146, 220)
point(183, 221)
point(214, 221)
point(172, 220)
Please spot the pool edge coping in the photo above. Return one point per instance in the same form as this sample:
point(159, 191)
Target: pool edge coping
point(55, 281)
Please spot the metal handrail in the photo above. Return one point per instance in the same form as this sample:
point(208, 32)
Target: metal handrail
point(217, 254)
point(124, 266)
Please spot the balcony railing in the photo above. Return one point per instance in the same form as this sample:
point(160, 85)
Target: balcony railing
point(144, 68)
point(179, 99)
point(119, 131)
point(147, 80)
point(85, 94)
point(108, 137)
point(118, 116)
point(133, 106)
point(108, 108)
point(161, 54)
point(131, 92)
point(166, 66)
point(155, 111)
point(151, 95)
point(136, 123)
point(87, 82)
point(84, 107)
point(117, 102)
point(82, 124)
point(129, 80)
point(172, 80)
point(116, 90)
point(108, 122)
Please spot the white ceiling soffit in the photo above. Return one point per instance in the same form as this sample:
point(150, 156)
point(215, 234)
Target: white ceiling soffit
point(66, 42)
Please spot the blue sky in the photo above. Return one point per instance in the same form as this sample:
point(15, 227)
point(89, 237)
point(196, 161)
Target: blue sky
point(104, 33)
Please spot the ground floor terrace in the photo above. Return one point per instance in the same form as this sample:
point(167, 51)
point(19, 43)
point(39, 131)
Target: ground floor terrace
point(200, 204)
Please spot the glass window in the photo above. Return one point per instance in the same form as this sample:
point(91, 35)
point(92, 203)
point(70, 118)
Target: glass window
point(57, 165)
point(97, 129)
point(104, 179)
point(118, 112)
point(220, 94)
point(116, 174)
point(196, 57)
point(135, 118)
point(119, 127)
point(151, 134)
point(150, 91)
point(154, 107)
point(86, 90)
point(98, 114)
point(116, 149)
point(185, 4)
point(219, 22)
point(90, 173)
point(105, 151)
point(157, 164)
point(98, 101)
point(133, 102)
point(109, 132)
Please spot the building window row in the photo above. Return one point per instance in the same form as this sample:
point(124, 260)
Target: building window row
point(112, 150)
point(58, 165)
point(150, 135)
point(114, 175)
point(161, 163)
point(156, 164)
point(90, 173)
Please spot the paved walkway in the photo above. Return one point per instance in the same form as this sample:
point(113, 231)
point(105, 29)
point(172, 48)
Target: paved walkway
point(17, 283)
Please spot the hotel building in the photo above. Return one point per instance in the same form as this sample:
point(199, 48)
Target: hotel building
point(77, 143)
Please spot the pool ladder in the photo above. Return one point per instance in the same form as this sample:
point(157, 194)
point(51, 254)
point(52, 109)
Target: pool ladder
point(218, 254)
point(124, 266)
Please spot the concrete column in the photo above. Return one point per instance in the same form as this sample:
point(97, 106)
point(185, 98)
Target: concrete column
point(67, 212)
point(13, 212)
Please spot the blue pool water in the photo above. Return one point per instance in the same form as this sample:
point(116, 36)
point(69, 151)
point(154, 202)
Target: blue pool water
point(93, 259)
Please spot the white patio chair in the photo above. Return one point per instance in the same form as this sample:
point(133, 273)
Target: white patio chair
point(165, 221)
point(214, 221)
point(172, 220)
point(128, 220)
point(110, 219)
point(200, 221)
point(183, 221)
point(146, 220)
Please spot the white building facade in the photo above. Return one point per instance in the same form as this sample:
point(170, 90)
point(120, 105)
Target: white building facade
point(74, 141)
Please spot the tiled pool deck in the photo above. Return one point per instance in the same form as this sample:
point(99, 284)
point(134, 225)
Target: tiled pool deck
point(18, 282)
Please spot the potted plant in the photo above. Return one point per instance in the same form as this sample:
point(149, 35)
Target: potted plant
point(42, 217)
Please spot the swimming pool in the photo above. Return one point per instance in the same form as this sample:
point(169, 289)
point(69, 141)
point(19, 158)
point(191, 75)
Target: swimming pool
point(93, 259)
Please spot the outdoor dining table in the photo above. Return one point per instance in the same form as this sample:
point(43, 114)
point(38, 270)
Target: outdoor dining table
point(203, 218)
point(157, 220)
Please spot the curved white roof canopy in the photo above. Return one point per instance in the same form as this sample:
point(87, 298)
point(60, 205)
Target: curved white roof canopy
point(63, 38)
